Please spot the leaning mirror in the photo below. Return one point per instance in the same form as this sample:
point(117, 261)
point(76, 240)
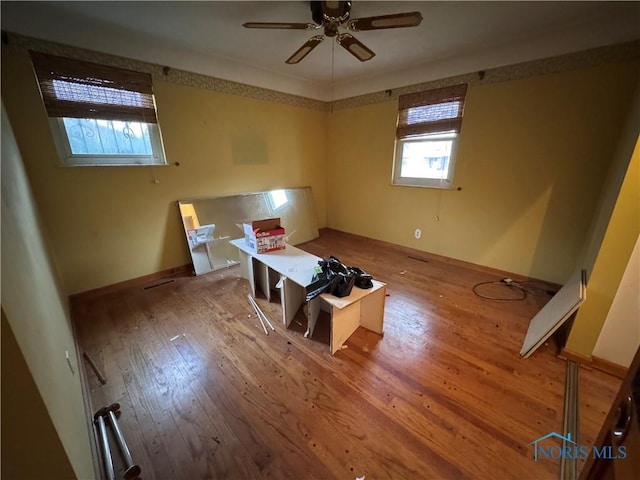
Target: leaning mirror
point(210, 223)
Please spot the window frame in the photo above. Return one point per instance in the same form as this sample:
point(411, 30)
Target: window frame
point(442, 183)
point(76, 89)
point(66, 158)
point(437, 128)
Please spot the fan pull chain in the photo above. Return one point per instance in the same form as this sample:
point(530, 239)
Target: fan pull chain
point(333, 50)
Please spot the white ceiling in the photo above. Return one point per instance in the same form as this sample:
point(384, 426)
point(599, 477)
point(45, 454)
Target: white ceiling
point(208, 38)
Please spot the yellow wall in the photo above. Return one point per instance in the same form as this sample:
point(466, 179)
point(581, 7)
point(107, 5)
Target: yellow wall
point(612, 183)
point(611, 261)
point(109, 224)
point(36, 310)
point(530, 164)
point(27, 430)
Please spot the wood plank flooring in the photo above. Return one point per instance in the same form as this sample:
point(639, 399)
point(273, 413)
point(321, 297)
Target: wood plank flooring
point(443, 394)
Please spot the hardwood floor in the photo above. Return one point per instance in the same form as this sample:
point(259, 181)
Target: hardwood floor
point(443, 394)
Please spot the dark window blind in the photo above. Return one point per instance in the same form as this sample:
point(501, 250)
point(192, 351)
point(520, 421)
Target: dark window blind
point(430, 112)
point(78, 89)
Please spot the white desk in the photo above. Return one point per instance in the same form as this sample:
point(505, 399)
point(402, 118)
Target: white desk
point(291, 270)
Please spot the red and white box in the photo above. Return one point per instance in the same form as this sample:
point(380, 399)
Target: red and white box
point(264, 236)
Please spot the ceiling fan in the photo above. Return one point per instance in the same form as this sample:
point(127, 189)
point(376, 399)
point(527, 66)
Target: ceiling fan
point(333, 15)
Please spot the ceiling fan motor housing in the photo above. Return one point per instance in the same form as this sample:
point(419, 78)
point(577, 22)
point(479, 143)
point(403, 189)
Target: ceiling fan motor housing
point(333, 10)
point(330, 16)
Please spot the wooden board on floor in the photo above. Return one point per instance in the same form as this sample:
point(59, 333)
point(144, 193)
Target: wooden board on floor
point(555, 313)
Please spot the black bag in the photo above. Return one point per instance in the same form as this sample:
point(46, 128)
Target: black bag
point(337, 279)
point(343, 278)
point(363, 279)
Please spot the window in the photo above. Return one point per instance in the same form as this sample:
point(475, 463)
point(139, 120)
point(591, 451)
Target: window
point(427, 135)
point(99, 115)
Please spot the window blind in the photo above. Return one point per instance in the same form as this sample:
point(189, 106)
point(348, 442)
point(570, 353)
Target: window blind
point(432, 111)
point(78, 89)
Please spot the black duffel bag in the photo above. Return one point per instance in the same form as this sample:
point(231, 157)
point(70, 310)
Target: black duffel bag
point(337, 279)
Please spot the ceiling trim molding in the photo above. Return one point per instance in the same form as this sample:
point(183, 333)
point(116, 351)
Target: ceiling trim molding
point(164, 73)
point(621, 52)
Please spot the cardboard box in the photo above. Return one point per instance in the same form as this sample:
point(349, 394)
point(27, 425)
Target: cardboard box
point(264, 236)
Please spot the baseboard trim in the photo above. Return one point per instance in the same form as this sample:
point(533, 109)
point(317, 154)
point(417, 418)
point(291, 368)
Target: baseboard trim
point(574, 357)
point(422, 255)
point(88, 407)
point(611, 368)
point(580, 359)
point(594, 362)
point(180, 271)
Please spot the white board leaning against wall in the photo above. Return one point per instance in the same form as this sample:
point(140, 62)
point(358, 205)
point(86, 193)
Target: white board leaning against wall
point(555, 313)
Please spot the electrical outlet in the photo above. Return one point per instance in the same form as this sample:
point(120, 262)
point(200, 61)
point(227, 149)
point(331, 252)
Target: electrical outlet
point(417, 233)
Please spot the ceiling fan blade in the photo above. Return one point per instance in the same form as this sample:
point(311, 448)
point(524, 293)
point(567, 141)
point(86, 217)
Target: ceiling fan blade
point(305, 49)
point(355, 47)
point(398, 20)
point(283, 25)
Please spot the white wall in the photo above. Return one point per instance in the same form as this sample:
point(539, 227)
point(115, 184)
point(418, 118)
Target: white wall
point(620, 336)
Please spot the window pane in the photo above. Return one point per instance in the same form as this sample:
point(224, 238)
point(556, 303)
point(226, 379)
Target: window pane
point(426, 159)
point(107, 137)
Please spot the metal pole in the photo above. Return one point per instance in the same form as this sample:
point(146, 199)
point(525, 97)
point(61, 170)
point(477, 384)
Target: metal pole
point(132, 470)
point(105, 450)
